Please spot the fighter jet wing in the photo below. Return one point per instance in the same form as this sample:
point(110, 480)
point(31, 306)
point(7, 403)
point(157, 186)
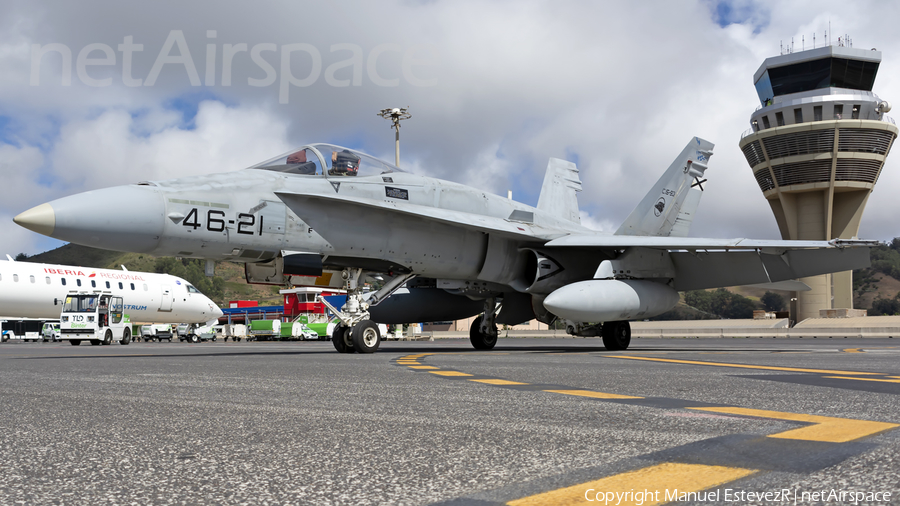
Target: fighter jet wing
point(329, 215)
point(698, 263)
point(691, 244)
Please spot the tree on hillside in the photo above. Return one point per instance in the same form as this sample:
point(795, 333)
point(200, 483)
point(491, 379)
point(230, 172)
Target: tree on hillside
point(21, 257)
point(721, 302)
point(773, 302)
point(881, 306)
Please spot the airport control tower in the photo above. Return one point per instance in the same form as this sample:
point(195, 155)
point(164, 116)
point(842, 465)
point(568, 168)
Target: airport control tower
point(816, 146)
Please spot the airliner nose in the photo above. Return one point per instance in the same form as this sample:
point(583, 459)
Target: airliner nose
point(121, 218)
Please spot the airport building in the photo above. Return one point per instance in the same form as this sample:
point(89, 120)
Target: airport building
point(817, 144)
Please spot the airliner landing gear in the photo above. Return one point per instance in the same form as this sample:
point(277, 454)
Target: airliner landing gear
point(483, 333)
point(616, 335)
point(356, 331)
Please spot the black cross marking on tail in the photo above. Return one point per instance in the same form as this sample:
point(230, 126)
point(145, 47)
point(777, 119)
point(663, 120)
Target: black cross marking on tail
point(698, 182)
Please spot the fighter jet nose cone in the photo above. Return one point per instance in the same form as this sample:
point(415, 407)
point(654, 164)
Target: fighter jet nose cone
point(40, 219)
point(121, 218)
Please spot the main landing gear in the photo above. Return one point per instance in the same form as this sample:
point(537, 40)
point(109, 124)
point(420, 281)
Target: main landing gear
point(357, 332)
point(483, 333)
point(616, 335)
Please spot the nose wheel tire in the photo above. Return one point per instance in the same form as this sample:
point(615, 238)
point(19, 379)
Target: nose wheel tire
point(340, 338)
point(479, 339)
point(366, 337)
point(616, 335)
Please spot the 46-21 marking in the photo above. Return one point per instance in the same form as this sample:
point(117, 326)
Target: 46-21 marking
point(215, 222)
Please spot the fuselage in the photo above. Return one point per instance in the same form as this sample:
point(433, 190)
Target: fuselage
point(32, 290)
point(239, 216)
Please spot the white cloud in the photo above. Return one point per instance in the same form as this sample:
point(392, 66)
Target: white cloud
point(622, 86)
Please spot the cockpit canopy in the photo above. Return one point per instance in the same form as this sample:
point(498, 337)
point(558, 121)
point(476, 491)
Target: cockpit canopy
point(328, 160)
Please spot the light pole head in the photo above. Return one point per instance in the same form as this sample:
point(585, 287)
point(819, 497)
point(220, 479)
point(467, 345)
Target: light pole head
point(396, 115)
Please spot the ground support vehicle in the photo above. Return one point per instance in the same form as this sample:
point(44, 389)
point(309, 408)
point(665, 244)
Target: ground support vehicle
point(234, 331)
point(22, 330)
point(297, 330)
point(97, 317)
point(157, 332)
point(50, 331)
point(264, 330)
point(195, 334)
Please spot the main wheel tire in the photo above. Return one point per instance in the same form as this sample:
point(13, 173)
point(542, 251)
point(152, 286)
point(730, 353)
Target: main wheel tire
point(366, 337)
point(194, 338)
point(108, 337)
point(616, 335)
point(479, 340)
point(75, 342)
point(126, 337)
point(95, 342)
point(340, 337)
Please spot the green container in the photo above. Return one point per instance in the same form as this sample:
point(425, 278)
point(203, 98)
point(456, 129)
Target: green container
point(273, 326)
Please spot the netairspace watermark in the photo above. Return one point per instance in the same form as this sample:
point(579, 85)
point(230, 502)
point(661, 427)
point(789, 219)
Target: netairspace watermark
point(739, 496)
point(413, 59)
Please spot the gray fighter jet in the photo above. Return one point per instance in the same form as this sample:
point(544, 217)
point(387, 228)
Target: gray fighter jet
point(324, 214)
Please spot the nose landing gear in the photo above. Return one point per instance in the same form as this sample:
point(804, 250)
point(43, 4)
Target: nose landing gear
point(357, 332)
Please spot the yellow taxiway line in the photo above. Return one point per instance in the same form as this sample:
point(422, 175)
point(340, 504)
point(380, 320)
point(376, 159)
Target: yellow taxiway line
point(748, 366)
point(591, 393)
point(824, 428)
point(646, 487)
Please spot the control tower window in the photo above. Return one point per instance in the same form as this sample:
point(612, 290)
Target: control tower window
point(779, 118)
point(855, 113)
point(838, 111)
point(817, 74)
point(766, 122)
point(798, 115)
point(817, 113)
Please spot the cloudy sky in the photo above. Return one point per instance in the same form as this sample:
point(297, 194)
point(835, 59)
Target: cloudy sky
point(96, 94)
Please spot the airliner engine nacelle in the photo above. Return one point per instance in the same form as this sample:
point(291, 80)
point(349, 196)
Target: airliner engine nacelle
point(603, 300)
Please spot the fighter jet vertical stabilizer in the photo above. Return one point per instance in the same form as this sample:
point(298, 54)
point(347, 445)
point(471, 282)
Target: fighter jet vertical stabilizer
point(660, 210)
point(559, 192)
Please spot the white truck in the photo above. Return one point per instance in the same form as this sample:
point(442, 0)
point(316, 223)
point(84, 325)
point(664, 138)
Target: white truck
point(156, 332)
point(97, 317)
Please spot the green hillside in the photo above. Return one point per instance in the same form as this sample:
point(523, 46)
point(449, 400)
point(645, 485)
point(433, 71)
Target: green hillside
point(876, 289)
point(228, 284)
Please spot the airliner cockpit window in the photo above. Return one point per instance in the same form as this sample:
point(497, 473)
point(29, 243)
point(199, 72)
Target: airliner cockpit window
point(191, 289)
point(328, 160)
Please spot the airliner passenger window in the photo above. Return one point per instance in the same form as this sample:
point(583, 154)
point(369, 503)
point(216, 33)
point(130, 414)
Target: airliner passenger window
point(93, 284)
point(31, 278)
point(120, 285)
point(78, 282)
point(132, 286)
point(16, 278)
point(63, 281)
point(145, 287)
point(107, 284)
point(48, 280)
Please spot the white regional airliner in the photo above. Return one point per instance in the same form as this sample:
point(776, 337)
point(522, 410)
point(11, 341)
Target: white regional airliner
point(30, 290)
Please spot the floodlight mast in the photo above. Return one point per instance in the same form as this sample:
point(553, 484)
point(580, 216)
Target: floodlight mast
point(396, 115)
